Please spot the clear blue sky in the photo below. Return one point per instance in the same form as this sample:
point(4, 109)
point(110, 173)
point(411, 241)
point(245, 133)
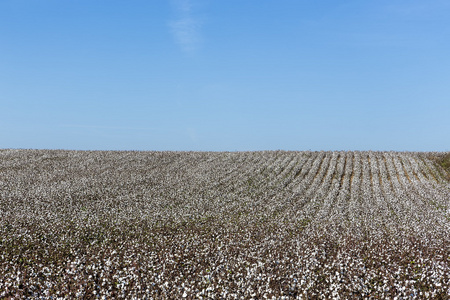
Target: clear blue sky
point(225, 75)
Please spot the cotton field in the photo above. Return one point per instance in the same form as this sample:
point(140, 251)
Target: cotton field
point(223, 225)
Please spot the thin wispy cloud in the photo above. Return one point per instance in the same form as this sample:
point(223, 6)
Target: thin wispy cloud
point(192, 133)
point(420, 9)
point(108, 127)
point(186, 27)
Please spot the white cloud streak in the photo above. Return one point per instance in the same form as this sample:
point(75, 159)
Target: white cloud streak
point(108, 127)
point(192, 133)
point(186, 28)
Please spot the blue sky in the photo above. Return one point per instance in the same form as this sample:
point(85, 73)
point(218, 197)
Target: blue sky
point(225, 75)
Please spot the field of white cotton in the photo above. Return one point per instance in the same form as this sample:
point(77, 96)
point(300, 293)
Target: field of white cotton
point(224, 225)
